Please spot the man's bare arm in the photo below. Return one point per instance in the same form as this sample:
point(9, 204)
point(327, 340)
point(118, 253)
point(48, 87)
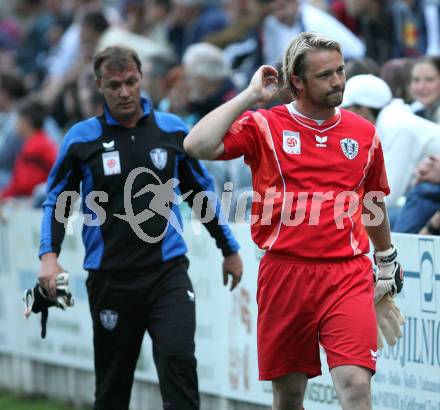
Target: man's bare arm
point(205, 141)
point(389, 279)
point(376, 224)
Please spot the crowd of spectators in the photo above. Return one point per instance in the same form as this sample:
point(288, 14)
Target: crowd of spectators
point(198, 54)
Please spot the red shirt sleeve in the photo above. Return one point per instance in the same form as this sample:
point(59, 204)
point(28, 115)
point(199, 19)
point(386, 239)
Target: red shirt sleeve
point(241, 139)
point(376, 179)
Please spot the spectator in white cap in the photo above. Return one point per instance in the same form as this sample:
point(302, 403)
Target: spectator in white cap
point(366, 94)
point(406, 138)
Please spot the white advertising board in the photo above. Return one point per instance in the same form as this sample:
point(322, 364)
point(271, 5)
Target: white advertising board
point(408, 375)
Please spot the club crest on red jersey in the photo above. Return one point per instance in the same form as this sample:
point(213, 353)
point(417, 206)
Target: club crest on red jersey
point(350, 147)
point(291, 142)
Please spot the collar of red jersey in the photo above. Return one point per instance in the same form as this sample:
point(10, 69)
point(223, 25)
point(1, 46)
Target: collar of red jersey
point(312, 123)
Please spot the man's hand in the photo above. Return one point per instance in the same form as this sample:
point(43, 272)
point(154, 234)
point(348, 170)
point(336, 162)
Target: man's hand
point(390, 275)
point(389, 321)
point(37, 299)
point(49, 270)
point(64, 297)
point(428, 170)
point(232, 265)
point(264, 84)
point(433, 225)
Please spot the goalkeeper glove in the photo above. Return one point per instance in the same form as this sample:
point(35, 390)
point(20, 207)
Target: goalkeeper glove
point(390, 275)
point(64, 296)
point(37, 299)
point(389, 321)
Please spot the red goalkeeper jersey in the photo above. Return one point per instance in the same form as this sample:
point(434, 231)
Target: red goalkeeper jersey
point(309, 180)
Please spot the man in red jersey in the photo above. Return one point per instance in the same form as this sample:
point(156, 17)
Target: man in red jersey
point(316, 168)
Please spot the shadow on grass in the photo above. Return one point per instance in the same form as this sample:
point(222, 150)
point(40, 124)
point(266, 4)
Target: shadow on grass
point(13, 401)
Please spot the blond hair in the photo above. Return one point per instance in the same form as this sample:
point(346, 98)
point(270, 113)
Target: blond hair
point(294, 57)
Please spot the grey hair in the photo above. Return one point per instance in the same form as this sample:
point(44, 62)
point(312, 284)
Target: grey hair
point(294, 57)
point(206, 60)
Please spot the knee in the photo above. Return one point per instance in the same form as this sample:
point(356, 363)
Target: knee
point(177, 359)
point(176, 348)
point(287, 398)
point(288, 391)
point(355, 389)
point(180, 360)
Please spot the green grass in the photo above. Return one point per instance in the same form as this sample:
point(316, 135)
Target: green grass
point(10, 401)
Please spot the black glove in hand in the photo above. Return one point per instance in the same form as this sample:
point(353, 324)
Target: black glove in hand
point(37, 300)
point(390, 275)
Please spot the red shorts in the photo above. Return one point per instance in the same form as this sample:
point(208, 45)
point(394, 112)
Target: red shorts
point(302, 304)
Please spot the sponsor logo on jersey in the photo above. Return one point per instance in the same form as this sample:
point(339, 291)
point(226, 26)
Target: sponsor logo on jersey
point(109, 318)
point(350, 147)
point(321, 141)
point(111, 163)
point(159, 157)
point(291, 142)
point(109, 146)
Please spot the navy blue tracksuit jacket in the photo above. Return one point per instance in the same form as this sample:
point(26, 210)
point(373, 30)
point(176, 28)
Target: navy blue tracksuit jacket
point(98, 155)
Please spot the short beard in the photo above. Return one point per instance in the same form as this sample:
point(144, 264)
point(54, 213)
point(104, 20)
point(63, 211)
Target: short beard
point(335, 104)
point(332, 102)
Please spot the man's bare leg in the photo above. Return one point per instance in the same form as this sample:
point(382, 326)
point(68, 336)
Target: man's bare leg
point(353, 386)
point(288, 391)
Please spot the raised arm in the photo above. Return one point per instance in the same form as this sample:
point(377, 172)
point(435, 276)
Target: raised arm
point(205, 141)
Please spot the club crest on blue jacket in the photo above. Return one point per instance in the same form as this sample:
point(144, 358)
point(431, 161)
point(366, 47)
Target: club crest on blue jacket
point(159, 157)
point(109, 318)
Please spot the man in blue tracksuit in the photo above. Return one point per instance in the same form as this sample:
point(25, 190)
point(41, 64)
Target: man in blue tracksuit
point(133, 172)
